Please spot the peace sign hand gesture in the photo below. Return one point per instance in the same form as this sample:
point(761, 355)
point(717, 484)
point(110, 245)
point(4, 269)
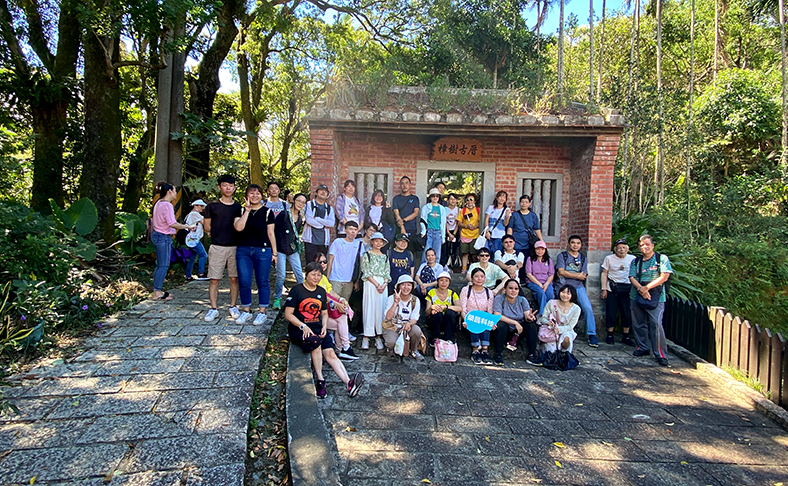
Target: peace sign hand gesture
point(247, 204)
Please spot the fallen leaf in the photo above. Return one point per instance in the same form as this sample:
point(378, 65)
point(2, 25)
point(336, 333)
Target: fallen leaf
point(536, 480)
point(558, 464)
point(486, 438)
point(578, 404)
point(745, 419)
point(73, 404)
point(33, 480)
point(426, 481)
point(627, 438)
point(684, 462)
point(350, 429)
point(251, 454)
point(669, 424)
point(675, 372)
point(607, 444)
point(550, 382)
point(559, 444)
point(641, 476)
point(703, 399)
point(669, 431)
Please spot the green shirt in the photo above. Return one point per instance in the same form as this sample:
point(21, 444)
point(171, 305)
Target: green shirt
point(649, 273)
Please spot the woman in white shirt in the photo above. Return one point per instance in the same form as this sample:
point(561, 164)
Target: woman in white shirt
point(496, 219)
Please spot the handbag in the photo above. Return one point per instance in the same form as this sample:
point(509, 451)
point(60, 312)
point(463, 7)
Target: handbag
point(480, 242)
point(333, 312)
point(399, 344)
point(549, 360)
point(548, 334)
point(445, 351)
point(652, 304)
point(311, 343)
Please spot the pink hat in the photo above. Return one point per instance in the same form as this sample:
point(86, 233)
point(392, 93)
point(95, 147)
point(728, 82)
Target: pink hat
point(540, 244)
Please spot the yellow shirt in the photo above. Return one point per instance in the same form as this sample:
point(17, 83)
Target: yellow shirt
point(469, 216)
point(325, 284)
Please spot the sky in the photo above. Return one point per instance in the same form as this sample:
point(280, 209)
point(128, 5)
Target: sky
point(578, 7)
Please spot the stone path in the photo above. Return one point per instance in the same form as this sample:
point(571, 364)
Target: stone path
point(616, 420)
point(159, 397)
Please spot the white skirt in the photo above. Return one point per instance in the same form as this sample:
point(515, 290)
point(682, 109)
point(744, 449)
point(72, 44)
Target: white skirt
point(373, 304)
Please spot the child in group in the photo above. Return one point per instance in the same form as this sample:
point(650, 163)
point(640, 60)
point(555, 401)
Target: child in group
point(194, 218)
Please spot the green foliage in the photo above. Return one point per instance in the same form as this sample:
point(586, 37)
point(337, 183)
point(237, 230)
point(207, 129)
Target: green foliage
point(131, 232)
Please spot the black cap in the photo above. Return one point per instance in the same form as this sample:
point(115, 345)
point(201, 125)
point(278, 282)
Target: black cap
point(620, 241)
point(324, 187)
point(401, 236)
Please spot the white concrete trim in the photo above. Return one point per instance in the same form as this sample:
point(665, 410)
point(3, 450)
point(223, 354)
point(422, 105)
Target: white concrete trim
point(559, 196)
point(487, 170)
point(352, 170)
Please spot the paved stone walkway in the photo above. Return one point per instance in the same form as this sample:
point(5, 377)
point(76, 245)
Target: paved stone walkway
point(159, 397)
point(616, 420)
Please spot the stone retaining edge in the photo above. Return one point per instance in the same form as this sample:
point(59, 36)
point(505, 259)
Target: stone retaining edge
point(760, 402)
point(308, 441)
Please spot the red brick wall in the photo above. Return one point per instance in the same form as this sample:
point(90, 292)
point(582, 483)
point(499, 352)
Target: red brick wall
point(587, 170)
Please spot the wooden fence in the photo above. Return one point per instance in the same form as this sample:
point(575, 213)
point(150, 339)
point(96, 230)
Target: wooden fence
point(725, 340)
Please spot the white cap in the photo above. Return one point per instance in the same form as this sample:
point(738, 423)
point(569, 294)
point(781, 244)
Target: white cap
point(199, 202)
point(443, 274)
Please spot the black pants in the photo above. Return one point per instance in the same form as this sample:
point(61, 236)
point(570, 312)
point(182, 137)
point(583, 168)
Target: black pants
point(618, 304)
point(443, 322)
point(530, 334)
point(311, 250)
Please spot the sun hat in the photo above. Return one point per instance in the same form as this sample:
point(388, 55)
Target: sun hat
point(199, 202)
point(403, 279)
point(443, 274)
point(434, 192)
point(377, 235)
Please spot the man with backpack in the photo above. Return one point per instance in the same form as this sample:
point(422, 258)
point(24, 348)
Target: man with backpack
point(571, 266)
point(319, 216)
point(649, 275)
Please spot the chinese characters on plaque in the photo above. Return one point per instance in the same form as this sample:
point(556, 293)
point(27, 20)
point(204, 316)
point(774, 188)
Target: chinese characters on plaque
point(450, 148)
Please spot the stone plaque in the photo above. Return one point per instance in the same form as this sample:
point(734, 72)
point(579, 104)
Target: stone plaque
point(451, 148)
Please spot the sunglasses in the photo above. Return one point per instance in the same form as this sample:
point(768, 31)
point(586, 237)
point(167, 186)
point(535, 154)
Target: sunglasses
point(484, 255)
point(323, 262)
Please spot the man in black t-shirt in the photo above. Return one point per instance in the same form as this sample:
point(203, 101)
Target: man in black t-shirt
point(218, 224)
point(407, 208)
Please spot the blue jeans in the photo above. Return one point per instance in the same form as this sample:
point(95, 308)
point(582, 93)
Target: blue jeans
point(484, 337)
point(197, 250)
point(281, 269)
point(434, 241)
point(540, 295)
point(163, 244)
point(494, 244)
point(585, 304)
point(248, 259)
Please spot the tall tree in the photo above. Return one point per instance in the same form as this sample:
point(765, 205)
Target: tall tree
point(560, 67)
point(601, 55)
point(659, 172)
point(591, 51)
point(784, 153)
point(45, 86)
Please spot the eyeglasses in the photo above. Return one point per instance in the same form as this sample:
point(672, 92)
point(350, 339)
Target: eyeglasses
point(323, 262)
point(484, 255)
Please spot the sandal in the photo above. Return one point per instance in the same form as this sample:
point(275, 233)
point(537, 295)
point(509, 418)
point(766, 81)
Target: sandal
point(165, 296)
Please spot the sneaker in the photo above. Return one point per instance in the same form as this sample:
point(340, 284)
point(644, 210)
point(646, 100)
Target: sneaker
point(641, 352)
point(320, 386)
point(365, 343)
point(628, 341)
point(348, 354)
point(351, 338)
point(354, 385)
point(277, 304)
point(259, 319)
point(234, 312)
point(609, 339)
point(379, 343)
point(211, 315)
point(486, 358)
point(202, 277)
point(592, 341)
point(417, 356)
point(511, 347)
point(241, 319)
point(662, 361)
point(476, 357)
point(533, 360)
point(498, 360)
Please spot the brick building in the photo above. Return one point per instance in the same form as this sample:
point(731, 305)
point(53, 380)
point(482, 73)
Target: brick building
point(566, 162)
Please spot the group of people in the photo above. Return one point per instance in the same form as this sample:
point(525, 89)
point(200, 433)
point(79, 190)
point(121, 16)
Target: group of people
point(392, 259)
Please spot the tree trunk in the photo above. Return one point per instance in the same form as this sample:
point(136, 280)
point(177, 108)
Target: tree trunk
point(716, 35)
point(784, 156)
point(691, 127)
point(601, 53)
point(626, 178)
point(251, 126)
point(659, 173)
point(560, 68)
point(203, 88)
point(103, 147)
point(49, 131)
point(591, 96)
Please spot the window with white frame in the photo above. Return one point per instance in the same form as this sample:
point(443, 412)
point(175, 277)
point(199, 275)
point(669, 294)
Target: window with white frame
point(546, 191)
point(370, 179)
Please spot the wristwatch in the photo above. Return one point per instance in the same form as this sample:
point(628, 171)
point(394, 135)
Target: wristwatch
point(301, 328)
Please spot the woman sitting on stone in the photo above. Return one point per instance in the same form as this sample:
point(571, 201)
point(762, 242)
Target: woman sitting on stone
point(402, 313)
point(306, 309)
point(492, 273)
point(517, 320)
point(473, 297)
point(442, 309)
point(562, 314)
point(540, 271)
point(340, 324)
point(427, 276)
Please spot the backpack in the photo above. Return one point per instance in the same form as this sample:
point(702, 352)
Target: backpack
point(566, 257)
point(468, 291)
